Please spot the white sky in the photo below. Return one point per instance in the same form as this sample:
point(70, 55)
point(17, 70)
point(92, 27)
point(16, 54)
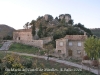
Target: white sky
point(16, 13)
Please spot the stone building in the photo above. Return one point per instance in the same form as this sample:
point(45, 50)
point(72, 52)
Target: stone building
point(66, 17)
point(71, 45)
point(48, 17)
point(23, 35)
point(61, 16)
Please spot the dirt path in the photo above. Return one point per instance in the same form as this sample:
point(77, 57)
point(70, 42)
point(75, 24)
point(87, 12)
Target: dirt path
point(60, 61)
point(6, 45)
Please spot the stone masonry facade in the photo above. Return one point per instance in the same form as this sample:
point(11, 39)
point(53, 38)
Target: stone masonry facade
point(24, 36)
point(71, 45)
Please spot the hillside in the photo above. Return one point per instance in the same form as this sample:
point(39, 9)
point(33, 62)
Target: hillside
point(6, 30)
point(57, 27)
point(96, 31)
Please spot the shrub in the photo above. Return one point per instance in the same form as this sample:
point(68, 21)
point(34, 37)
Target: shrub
point(0, 61)
point(95, 63)
point(86, 58)
point(27, 63)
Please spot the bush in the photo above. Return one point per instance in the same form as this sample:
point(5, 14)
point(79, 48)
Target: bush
point(0, 61)
point(27, 63)
point(50, 56)
point(85, 58)
point(95, 63)
point(42, 52)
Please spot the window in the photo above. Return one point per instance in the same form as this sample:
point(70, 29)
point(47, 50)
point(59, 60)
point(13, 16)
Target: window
point(79, 43)
point(59, 51)
point(70, 43)
point(78, 51)
point(18, 38)
point(61, 43)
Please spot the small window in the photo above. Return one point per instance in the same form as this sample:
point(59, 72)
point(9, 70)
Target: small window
point(59, 51)
point(61, 43)
point(78, 51)
point(70, 43)
point(18, 38)
point(79, 43)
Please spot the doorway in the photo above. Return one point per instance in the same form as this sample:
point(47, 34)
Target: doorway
point(69, 52)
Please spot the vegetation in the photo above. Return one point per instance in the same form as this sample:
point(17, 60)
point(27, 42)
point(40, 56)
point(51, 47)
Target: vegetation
point(0, 45)
point(8, 38)
point(2, 54)
point(17, 47)
point(26, 25)
point(26, 62)
point(86, 58)
point(59, 28)
point(89, 33)
point(6, 31)
point(96, 31)
point(71, 22)
point(33, 27)
point(40, 32)
point(92, 48)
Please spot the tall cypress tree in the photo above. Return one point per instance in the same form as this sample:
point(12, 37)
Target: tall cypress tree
point(40, 32)
point(33, 27)
point(33, 30)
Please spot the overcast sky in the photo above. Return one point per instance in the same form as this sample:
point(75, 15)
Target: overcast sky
point(16, 13)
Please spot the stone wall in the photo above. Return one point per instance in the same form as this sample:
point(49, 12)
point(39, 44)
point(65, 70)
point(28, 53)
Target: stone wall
point(35, 43)
point(62, 46)
point(25, 35)
point(75, 47)
point(46, 40)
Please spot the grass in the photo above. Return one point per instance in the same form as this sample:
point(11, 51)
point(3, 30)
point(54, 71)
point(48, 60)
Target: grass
point(51, 64)
point(2, 54)
point(0, 45)
point(17, 47)
point(42, 63)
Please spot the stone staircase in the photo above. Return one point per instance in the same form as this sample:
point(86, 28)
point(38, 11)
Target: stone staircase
point(6, 45)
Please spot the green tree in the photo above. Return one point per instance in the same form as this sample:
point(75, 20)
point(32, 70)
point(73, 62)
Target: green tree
point(40, 32)
point(62, 22)
point(33, 30)
point(89, 33)
point(92, 47)
point(70, 22)
point(26, 25)
point(56, 18)
point(33, 27)
point(8, 37)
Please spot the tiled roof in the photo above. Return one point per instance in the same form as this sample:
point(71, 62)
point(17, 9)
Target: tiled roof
point(75, 37)
point(23, 30)
point(61, 39)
